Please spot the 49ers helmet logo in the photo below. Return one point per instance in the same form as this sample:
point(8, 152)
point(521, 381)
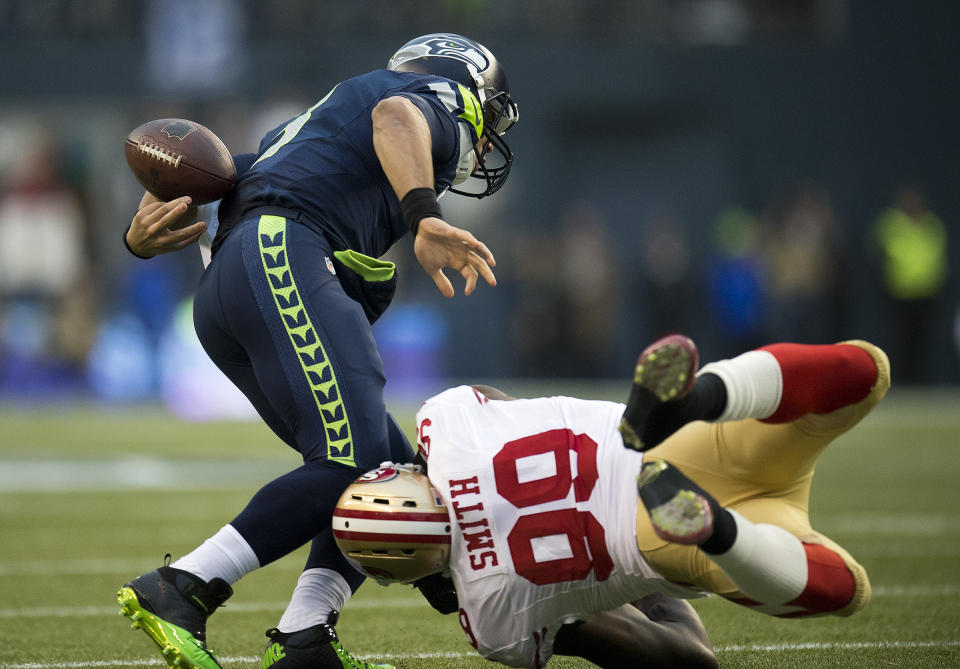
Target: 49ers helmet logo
point(378, 475)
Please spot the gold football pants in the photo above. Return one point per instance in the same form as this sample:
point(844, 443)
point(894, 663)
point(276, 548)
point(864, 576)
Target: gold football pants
point(763, 471)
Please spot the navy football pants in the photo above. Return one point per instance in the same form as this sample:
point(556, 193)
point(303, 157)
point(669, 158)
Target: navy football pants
point(274, 318)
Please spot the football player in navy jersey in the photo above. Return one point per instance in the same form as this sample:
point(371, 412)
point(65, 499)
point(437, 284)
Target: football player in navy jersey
point(285, 309)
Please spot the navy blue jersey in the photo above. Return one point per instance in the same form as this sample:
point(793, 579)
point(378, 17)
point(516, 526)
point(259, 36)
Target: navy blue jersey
point(321, 169)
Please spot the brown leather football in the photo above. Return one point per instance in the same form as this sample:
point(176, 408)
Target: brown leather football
point(171, 157)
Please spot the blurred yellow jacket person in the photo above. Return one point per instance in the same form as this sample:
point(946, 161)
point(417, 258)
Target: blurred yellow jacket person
point(914, 243)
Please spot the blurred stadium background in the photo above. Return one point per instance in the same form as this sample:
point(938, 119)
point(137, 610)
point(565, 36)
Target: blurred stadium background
point(711, 166)
point(718, 167)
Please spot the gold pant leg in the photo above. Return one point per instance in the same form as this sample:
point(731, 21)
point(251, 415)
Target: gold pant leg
point(763, 471)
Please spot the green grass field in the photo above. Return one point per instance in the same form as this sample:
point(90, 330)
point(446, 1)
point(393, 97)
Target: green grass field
point(89, 499)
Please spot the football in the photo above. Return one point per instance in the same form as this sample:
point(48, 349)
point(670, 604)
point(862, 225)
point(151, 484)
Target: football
point(171, 157)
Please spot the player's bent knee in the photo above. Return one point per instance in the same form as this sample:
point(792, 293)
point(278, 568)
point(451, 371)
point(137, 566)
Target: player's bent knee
point(862, 592)
point(844, 418)
point(882, 382)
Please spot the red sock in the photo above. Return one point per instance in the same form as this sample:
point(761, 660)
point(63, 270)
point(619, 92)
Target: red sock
point(830, 585)
point(820, 379)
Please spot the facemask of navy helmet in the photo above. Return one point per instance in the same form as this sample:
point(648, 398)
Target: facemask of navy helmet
point(469, 63)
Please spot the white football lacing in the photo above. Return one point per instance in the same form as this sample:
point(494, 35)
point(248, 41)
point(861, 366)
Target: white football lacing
point(159, 153)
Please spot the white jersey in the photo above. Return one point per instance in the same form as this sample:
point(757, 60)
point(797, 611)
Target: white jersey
point(543, 498)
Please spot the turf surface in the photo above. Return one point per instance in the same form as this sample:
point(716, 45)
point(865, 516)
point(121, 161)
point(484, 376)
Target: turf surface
point(89, 499)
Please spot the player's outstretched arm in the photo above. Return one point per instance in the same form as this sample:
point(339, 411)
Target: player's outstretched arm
point(162, 227)
point(401, 139)
point(656, 631)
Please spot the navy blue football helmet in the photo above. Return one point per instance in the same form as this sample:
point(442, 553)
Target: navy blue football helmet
point(471, 64)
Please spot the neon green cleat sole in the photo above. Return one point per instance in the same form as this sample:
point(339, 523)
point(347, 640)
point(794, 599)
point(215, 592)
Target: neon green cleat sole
point(179, 648)
point(665, 371)
point(685, 519)
point(667, 367)
point(350, 662)
point(679, 511)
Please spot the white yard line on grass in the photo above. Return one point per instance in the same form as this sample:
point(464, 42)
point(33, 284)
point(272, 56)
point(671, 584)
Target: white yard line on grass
point(135, 472)
point(919, 547)
point(248, 607)
point(887, 524)
point(741, 648)
point(836, 645)
point(398, 603)
point(121, 567)
point(124, 567)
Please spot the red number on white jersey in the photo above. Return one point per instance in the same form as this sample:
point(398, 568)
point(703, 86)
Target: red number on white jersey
point(584, 534)
point(423, 440)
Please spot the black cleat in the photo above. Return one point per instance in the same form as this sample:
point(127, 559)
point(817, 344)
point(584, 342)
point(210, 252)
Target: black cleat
point(665, 371)
point(679, 509)
point(316, 647)
point(172, 607)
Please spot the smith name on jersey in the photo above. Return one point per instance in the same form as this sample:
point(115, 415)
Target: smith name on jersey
point(544, 500)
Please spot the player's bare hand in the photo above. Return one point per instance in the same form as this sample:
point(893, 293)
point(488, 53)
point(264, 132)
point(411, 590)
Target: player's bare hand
point(162, 227)
point(439, 245)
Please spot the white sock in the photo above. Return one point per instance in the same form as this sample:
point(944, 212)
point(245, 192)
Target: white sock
point(766, 563)
point(225, 555)
point(754, 385)
point(318, 592)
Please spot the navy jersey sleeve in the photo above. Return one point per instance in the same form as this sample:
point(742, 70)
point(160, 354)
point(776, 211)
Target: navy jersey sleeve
point(452, 104)
point(445, 136)
point(323, 166)
point(243, 162)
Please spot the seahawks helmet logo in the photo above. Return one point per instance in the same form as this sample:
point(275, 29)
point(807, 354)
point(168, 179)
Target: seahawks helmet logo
point(449, 48)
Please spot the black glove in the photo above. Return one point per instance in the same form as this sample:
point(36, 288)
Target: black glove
point(439, 591)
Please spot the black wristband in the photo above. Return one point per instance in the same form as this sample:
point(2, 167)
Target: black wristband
point(130, 249)
point(417, 204)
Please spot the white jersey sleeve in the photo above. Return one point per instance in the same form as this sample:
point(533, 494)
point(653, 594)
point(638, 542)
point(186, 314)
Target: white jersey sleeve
point(543, 495)
point(208, 212)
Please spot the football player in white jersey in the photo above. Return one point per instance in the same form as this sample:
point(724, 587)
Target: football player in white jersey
point(537, 510)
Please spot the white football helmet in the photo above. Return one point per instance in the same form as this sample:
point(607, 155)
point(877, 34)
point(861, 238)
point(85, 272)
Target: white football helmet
point(392, 525)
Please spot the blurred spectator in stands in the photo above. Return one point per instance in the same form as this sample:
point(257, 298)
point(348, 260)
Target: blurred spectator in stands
point(566, 297)
point(46, 294)
point(912, 241)
point(125, 362)
point(193, 49)
point(536, 322)
point(721, 22)
point(589, 274)
point(802, 249)
point(669, 290)
point(736, 282)
point(956, 330)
